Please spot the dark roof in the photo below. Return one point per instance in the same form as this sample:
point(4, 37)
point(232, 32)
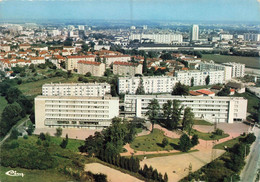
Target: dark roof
point(235, 85)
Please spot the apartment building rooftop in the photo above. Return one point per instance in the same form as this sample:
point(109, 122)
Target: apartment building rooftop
point(106, 97)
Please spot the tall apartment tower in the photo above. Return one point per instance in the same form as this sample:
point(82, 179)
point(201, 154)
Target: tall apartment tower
point(194, 33)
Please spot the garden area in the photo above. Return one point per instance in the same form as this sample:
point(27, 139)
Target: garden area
point(202, 122)
point(210, 136)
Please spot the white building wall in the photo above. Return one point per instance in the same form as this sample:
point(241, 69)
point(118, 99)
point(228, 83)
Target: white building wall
point(75, 112)
point(213, 109)
point(76, 89)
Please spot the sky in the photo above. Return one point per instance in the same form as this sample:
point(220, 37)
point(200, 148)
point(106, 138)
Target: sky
point(172, 10)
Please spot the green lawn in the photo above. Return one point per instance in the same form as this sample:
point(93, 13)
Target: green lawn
point(229, 143)
point(153, 141)
point(202, 122)
point(148, 156)
point(33, 175)
point(3, 103)
point(200, 87)
point(73, 144)
point(252, 100)
point(251, 62)
point(207, 136)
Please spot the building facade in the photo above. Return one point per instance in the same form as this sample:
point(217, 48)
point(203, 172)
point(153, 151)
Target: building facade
point(204, 66)
point(194, 34)
point(199, 77)
point(213, 109)
point(75, 112)
point(95, 68)
point(75, 89)
point(238, 70)
point(127, 69)
point(72, 61)
point(158, 38)
point(151, 84)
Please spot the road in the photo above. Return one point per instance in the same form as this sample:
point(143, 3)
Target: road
point(15, 126)
point(250, 170)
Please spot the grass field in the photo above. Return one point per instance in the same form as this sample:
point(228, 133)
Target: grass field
point(35, 88)
point(229, 143)
point(3, 103)
point(202, 122)
point(153, 142)
point(208, 136)
point(72, 144)
point(33, 175)
point(251, 62)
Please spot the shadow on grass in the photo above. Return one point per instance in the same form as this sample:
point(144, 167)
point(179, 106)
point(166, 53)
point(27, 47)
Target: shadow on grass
point(175, 146)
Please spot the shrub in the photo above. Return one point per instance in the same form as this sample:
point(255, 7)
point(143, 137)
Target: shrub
point(218, 132)
point(25, 137)
point(165, 142)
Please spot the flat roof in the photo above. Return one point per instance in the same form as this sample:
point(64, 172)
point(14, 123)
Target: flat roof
point(106, 97)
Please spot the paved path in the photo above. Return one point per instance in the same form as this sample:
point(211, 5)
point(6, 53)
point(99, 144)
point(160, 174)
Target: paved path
point(250, 170)
point(15, 126)
point(112, 174)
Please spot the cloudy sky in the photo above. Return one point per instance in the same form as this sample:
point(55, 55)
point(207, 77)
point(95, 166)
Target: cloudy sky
point(199, 10)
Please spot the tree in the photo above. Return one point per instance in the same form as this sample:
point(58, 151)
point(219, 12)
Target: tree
point(165, 142)
point(192, 82)
point(42, 136)
point(180, 89)
point(224, 92)
point(145, 65)
point(207, 80)
point(165, 178)
point(140, 88)
point(88, 74)
point(185, 143)
point(12, 94)
point(30, 129)
point(153, 111)
point(14, 134)
point(93, 144)
point(58, 132)
point(167, 112)
point(188, 120)
point(195, 140)
point(176, 113)
point(108, 72)
point(64, 142)
point(250, 138)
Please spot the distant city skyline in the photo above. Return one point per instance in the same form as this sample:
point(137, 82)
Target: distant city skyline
point(169, 10)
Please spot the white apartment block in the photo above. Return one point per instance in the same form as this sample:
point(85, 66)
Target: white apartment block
point(158, 38)
point(127, 69)
point(226, 36)
point(152, 84)
point(252, 37)
point(213, 109)
point(72, 61)
point(95, 68)
point(204, 66)
point(5, 47)
point(75, 111)
point(238, 69)
point(200, 77)
point(75, 89)
point(194, 34)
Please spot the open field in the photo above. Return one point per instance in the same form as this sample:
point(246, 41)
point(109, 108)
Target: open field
point(153, 142)
point(35, 88)
point(251, 62)
point(112, 174)
point(33, 175)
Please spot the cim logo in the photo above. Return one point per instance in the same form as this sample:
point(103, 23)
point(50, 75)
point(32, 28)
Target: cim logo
point(14, 173)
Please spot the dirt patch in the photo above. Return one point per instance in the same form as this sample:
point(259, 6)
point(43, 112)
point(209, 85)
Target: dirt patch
point(112, 174)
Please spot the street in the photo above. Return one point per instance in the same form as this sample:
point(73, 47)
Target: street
point(249, 172)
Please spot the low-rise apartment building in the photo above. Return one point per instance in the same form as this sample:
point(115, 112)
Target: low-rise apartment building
point(127, 69)
point(95, 68)
point(75, 111)
point(151, 84)
point(72, 61)
point(109, 59)
point(213, 109)
point(75, 89)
